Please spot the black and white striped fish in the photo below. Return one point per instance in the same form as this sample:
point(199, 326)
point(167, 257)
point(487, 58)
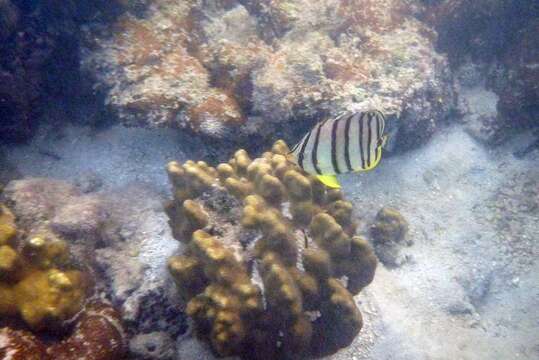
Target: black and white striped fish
point(349, 142)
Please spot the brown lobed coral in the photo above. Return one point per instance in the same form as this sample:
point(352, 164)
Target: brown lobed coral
point(41, 285)
point(271, 263)
point(389, 232)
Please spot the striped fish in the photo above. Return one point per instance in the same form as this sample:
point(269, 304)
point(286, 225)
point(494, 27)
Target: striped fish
point(349, 142)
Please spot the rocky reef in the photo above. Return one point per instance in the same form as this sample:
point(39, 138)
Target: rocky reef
point(271, 262)
point(493, 48)
point(238, 69)
point(20, 77)
point(47, 307)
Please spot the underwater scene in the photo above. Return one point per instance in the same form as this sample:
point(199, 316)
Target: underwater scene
point(269, 179)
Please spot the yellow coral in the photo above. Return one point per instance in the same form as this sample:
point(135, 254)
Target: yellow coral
point(329, 235)
point(50, 296)
point(186, 219)
point(303, 243)
point(38, 284)
point(190, 179)
point(7, 226)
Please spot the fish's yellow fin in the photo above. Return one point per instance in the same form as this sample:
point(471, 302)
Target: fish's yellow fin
point(329, 180)
point(373, 165)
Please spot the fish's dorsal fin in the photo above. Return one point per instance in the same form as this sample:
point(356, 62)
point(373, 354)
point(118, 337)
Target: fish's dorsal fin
point(329, 180)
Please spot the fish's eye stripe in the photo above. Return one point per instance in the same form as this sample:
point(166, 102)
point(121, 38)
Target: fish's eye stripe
point(347, 143)
point(301, 155)
point(314, 152)
point(334, 129)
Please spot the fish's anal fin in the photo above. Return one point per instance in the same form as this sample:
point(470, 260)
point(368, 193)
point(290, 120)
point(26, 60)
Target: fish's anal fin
point(329, 180)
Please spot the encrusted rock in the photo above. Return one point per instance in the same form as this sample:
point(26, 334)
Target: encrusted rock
point(233, 69)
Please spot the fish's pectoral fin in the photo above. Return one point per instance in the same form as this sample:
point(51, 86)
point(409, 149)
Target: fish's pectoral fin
point(329, 180)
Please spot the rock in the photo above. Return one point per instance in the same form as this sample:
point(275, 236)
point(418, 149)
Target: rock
point(478, 108)
point(36, 200)
point(155, 345)
point(391, 256)
point(9, 17)
point(124, 274)
point(39, 65)
point(81, 220)
point(89, 182)
point(216, 69)
point(498, 37)
point(469, 28)
point(77, 217)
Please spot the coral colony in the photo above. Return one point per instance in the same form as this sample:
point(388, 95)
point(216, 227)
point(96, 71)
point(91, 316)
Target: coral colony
point(267, 249)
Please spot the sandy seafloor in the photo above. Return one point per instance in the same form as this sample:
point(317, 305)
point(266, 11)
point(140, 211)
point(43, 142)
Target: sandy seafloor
point(470, 289)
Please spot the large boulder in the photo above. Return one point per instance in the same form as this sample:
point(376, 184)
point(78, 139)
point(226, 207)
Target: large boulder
point(241, 69)
point(497, 41)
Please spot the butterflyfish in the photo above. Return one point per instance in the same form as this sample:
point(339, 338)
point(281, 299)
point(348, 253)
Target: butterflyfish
point(350, 142)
